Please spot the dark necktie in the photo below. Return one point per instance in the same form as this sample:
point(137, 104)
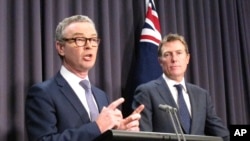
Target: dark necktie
point(90, 101)
point(183, 110)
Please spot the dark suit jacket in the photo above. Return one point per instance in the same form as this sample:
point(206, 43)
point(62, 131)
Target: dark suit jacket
point(204, 119)
point(54, 112)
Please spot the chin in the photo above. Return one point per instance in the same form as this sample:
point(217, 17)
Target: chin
point(90, 65)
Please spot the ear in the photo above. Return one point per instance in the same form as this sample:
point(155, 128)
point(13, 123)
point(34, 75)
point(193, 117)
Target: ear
point(188, 58)
point(160, 61)
point(60, 48)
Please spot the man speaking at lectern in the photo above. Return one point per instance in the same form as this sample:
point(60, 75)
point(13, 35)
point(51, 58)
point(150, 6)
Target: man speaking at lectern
point(67, 107)
point(195, 109)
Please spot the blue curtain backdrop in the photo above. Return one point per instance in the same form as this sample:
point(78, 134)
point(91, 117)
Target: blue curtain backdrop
point(217, 32)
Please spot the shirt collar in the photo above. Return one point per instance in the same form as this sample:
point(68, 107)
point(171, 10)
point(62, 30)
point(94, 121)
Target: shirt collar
point(171, 82)
point(69, 76)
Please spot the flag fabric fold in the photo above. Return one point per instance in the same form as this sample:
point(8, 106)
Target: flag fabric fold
point(147, 65)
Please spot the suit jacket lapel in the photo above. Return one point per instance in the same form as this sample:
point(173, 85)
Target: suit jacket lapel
point(67, 91)
point(165, 93)
point(101, 100)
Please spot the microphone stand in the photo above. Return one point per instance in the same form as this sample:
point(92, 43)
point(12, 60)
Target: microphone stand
point(169, 110)
point(178, 123)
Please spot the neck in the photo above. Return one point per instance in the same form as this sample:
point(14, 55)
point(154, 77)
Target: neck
point(81, 74)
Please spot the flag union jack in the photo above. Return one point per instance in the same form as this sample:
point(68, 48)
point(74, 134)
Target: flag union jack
point(151, 29)
point(147, 65)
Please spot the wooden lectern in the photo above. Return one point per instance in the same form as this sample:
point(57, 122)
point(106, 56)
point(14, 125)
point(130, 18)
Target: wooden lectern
point(119, 135)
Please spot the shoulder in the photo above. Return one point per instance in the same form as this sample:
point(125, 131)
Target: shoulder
point(152, 84)
point(49, 86)
point(195, 89)
point(194, 86)
point(98, 90)
point(45, 85)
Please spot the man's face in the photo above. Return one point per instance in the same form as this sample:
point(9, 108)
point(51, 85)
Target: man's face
point(78, 59)
point(174, 60)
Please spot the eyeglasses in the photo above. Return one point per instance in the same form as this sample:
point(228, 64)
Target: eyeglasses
point(82, 41)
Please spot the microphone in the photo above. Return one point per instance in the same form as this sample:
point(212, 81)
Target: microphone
point(170, 109)
point(166, 107)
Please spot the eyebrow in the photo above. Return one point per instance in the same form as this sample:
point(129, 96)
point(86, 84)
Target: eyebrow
point(168, 51)
point(94, 34)
point(77, 34)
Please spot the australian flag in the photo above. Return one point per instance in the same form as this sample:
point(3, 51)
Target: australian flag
point(148, 67)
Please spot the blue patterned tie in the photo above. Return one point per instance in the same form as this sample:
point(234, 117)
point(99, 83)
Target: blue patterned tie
point(183, 110)
point(90, 100)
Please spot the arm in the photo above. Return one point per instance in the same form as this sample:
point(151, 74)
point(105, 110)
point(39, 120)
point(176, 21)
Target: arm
point(214, 125)
point(141, 97)
point(48, 120)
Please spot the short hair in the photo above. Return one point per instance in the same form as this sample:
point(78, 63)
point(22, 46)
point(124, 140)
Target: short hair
point(67, 21)
point(172, 37)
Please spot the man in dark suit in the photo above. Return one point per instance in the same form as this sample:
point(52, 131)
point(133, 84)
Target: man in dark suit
point(173, 56)
point(58, 109)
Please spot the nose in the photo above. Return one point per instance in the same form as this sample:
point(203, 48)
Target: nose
point(174, 57)
point(87, 41)
point(87, 44)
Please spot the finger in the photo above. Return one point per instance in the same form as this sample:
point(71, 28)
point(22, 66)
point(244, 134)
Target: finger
point(134, 129)
point(131, 118)
point(138, 109)
point(132, 124)
point(135, 115)
point(116, 103)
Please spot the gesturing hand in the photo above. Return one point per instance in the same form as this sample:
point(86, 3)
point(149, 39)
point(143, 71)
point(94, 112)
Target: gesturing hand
point(110, 117)
point(131, 123)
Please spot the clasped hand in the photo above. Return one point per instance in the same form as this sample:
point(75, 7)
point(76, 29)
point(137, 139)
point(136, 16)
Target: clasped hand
point(111, 118)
